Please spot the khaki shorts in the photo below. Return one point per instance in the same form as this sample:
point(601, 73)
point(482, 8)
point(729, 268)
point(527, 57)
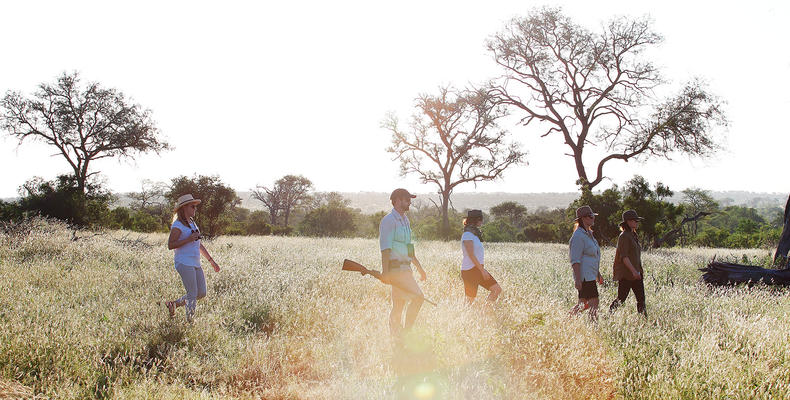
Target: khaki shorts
point(404, 287)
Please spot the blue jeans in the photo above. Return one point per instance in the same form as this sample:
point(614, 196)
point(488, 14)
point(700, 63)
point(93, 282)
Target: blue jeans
point(195, 284)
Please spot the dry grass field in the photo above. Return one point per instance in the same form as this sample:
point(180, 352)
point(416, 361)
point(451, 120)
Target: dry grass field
point(79, 319)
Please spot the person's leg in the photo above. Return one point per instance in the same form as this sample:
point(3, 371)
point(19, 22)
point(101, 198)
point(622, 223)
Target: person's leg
point(470, 285)
point(412, 311)
point(623, 286)
point(593, 303)
point(201, 283)
point(189, 279)
point(496, 290)
point(579, 307)
point(395, 316)
point(639, 293)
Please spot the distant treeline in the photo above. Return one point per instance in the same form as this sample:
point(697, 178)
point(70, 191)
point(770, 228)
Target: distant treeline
point(331, 214)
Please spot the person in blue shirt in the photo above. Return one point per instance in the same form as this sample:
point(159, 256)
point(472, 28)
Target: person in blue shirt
point(473, 270)
point(185, 240)
point(397, 256)
point(585, 257)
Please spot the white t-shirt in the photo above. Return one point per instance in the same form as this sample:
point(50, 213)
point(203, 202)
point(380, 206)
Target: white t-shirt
point(467, 263)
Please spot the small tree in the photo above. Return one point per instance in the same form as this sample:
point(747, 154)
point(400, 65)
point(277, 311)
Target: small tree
point(216, 199)
point(696, 201)
point(453, 139)
point(597, 89)
point(151, 201)
point(284, 196)
point(84, 124)
point(515, 214)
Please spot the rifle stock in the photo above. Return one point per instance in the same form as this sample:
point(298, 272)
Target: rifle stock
point(349, 265)
point(354, 266)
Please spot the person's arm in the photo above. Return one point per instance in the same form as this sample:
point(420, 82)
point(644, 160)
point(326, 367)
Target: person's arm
point(386, 236)
point(385, 264)
point(577, 275)
point(469, 246)
point(416, 262)
point(208, 257)
point(576, 249)
point(174, 243)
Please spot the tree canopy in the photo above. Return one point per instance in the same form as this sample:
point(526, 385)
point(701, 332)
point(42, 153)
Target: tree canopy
point(598, 89)
point(84, 123)
point(453, 139)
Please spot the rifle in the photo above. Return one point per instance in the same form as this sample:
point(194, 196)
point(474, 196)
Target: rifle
point(354, 266)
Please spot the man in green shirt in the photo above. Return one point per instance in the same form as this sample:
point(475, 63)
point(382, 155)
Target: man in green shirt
point(397, 255)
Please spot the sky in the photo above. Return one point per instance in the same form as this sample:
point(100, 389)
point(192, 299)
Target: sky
point(252, 91)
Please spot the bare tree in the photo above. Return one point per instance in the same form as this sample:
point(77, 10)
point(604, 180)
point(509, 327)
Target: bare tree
point(270, 197)
point(598, 89)
point(453, 139)
point(83, 124)
point(284, 196)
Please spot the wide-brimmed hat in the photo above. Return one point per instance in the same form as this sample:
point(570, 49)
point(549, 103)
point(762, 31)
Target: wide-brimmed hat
point(186, 199)
point(584, 211)
point(401, 193)
point(474, 214)
point(631, 214)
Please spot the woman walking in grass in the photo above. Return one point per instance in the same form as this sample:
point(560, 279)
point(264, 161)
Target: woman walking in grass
point(472, 267)
point(585, 255)
point(628, 263)
point(185, 240)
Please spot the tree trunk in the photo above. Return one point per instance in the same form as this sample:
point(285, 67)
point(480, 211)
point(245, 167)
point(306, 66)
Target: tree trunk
point(445, 228)
point(780, 257)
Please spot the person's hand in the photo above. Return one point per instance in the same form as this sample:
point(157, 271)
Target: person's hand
point(636, 274)
point(578, 285)
point(423, 277)
point(195, 235)
point(386, 278)
point(215, 265)
point(600, 279)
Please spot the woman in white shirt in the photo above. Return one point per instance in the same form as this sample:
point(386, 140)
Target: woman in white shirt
point(185, 240)
point(473, 271)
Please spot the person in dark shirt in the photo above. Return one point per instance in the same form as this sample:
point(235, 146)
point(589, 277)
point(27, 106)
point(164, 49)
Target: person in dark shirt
point(628, 270)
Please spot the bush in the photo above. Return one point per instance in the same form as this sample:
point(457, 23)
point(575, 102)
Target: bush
point(62, 199)
point(328, 220)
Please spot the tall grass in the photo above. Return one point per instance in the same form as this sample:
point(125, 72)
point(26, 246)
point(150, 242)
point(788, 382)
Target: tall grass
point(79, 319)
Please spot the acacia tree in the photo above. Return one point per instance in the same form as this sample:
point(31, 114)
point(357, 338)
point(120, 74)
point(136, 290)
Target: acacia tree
point(598, 89)
point(84, 124)
point(453, 139)
point(284, 196)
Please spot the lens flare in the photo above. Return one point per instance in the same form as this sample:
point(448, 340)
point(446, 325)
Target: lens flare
point(425, 390)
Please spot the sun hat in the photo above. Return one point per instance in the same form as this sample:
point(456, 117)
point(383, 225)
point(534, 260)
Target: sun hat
point(631, 214)
point(401, 193)
point(186, 199)
point(474, 214)
point(584, 211)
